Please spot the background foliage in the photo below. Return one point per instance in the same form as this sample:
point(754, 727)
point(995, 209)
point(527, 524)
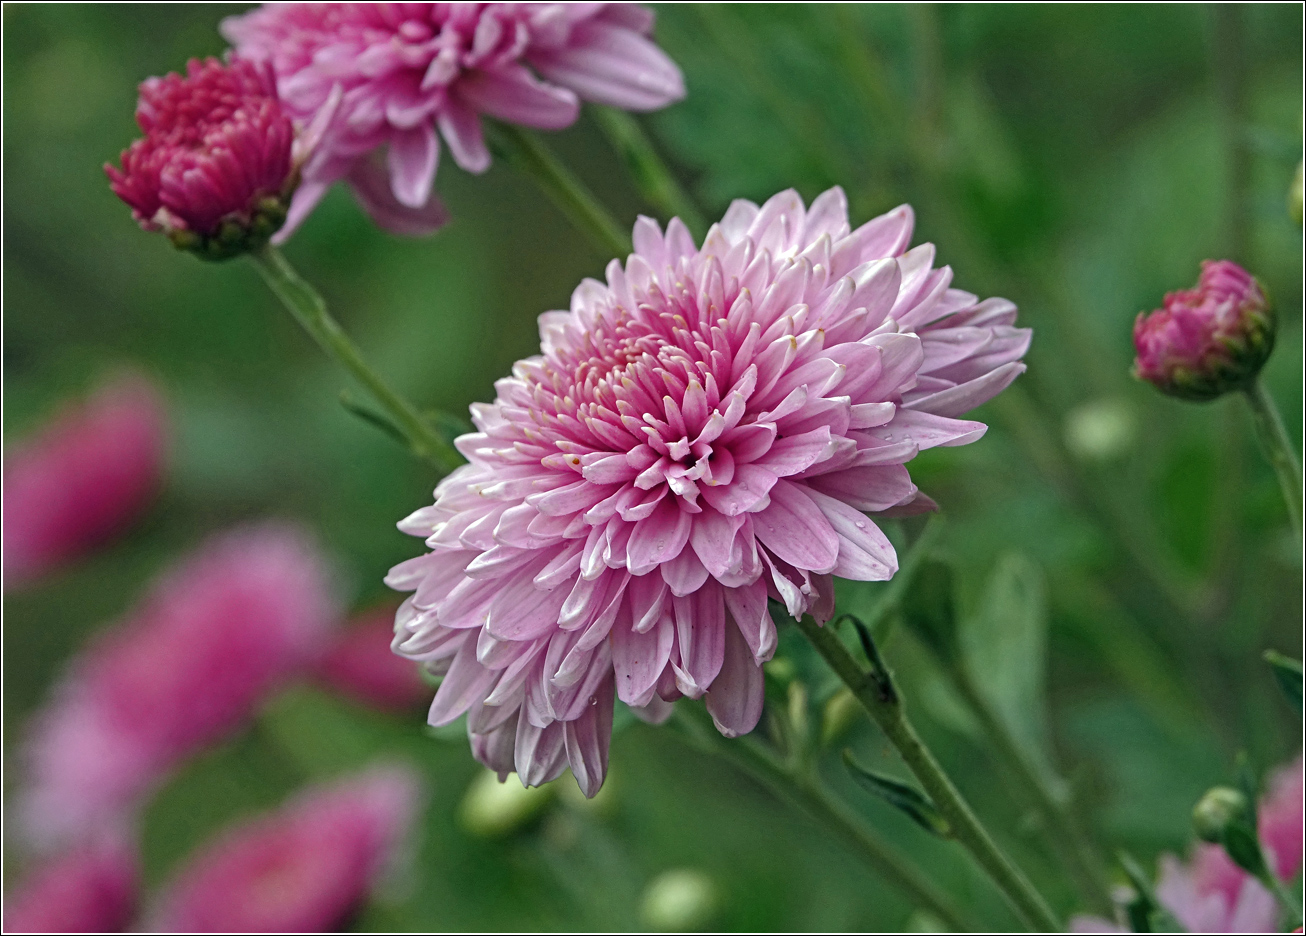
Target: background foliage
point(1072, 158)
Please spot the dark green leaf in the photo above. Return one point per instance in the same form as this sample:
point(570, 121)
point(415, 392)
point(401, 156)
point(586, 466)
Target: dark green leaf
point(896, 793)
point(1287, 672)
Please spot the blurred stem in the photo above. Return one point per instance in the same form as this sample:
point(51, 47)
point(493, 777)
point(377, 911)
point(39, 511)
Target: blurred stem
point(651, 175)
point(1068, 839)
point(887, 711)
point(1230, 65)
point(804, 790)
point(530, 156)
point(1286, 899)
point(1278, 449)
point(308, 308)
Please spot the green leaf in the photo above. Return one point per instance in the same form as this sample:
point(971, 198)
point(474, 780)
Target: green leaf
point(1145, 913)
point(898, 794)
point(1004, 647)
point(1288, 673)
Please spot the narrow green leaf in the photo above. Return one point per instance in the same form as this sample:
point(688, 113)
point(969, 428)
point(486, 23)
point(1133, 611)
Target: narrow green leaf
point(1288, 674)
point(898, 794)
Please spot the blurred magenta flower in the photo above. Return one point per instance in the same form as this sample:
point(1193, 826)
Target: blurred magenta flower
point(358, 662)
point(709, 428)
point(217, 165)
point(91, 889)
point(83, 477)
point(408, 70)
point(302, 869)
point(216, 635)
point(1206, 341)
point(1210, 894)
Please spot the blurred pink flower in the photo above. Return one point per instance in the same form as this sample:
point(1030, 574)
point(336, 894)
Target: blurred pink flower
point(1209, 340)
point(358, 662)
point(408, 70)
point(83, 477)
point(216, 635)
point(217, 165)
point(304, 868)
point(708, 429)
point(91, 889)
point(1210, 894)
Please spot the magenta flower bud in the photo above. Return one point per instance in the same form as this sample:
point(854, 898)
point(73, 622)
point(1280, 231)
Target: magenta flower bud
point(83, 477)
point(215, 170)
point(216, 635)
point(414, 74)
point(1206, 341)
point(359, 663)
point(305, 868)
point(92, 889)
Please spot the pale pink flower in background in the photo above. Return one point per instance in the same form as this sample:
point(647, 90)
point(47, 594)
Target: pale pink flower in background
point(409, 74)
point(215, 636)
point(359, 664)
point(709, 428)
point(92, 889)
point(1209, 340)
point(304, 868)
point(1209, 893)
point(83, 477)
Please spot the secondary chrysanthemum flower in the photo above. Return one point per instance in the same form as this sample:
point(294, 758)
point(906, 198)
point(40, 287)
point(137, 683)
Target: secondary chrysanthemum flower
point(409, 70)
point(710, 428)
point(1206, 341)
point(302, 869)
point(215, 636)
point(91, 889)
point(218, 163)
point(83, 477)
point(358, 663)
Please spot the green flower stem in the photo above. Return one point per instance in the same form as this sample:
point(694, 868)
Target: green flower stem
point(650, 174)
point(1285, 897)
point(308, 308)
point(1278, 449)
point(1073, 847)
point(805, 791)
point(526, 152)
point(966, 828)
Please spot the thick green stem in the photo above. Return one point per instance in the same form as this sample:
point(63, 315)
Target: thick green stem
point(1285, 897)
point(805, 791)
point(1073, 847)
point(650, 174)
point(308, 308)
point(888, 713)
point(528, 154)
point(1278, 449)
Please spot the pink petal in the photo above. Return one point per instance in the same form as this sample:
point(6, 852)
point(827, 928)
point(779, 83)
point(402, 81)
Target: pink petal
point(412, 161)
point(795, 530)
point(614, 66)
point(735, 699)
point(371, 186)
point(513, 94)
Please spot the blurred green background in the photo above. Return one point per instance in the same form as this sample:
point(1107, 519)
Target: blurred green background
point(1076, 159)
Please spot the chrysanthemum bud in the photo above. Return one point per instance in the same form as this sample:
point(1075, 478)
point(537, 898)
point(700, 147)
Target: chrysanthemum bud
point(215, 170)
point(682, 899)
point(1209, 340)
point(1216, 811)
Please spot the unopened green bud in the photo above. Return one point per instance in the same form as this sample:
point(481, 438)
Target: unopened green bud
point(492, 808)
point(679, 900)
point(839, 715)
point(1217, 811)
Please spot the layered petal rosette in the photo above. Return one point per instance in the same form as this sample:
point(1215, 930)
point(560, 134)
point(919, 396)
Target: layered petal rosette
point(405, 75)
point(712, 427)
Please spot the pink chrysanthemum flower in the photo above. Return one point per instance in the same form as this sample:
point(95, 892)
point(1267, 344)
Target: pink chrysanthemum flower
point(1206, 341)
point(91, 889)
point(359, 664)
point(1211, 894)
point(83, 477)
point(216, 635)
point(711, 427)
point(409, 70)
point(302, 869)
